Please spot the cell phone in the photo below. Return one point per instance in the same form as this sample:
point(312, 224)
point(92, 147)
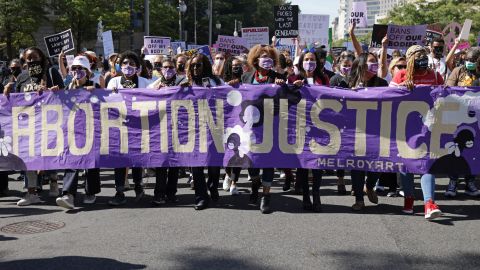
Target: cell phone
point(206, 82)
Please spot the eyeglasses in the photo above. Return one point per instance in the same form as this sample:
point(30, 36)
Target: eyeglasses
point(401, 66)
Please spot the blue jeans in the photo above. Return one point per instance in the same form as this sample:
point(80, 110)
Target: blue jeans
point(427, 182)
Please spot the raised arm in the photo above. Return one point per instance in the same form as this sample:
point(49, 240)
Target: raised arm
point(382, 62)
point(356, 44)
point(63, 69)
point(451, 56)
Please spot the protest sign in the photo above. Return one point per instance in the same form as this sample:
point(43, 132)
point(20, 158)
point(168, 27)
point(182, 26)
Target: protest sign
point(156, 45)
point(178, 44)
point(289, 48)
point(358, 15)
point(286, 21)
point(461, 46)
point(338, 50)
point(57, 42)
point(431, 35)
point(313, 28)
point(231, 45)
point(378, 33)
point(108, 48)
point(402, 37)
point(255, 35)
point(451, 32)
point(194, 46)
point(239, 127)
point(70, 59)
point(465, 30)
point(205, 50)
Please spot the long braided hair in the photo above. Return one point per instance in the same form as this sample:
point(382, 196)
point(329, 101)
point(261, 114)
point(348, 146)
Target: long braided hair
point(413, 53)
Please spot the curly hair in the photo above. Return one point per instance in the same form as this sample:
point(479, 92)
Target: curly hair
point(131, 56)
point(257, 50)
point(43, 58)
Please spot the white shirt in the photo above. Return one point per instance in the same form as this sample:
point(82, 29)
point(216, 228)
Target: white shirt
point(439, 65)
point(114, 83)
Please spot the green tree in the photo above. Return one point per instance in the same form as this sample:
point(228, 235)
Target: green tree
point(18, 19)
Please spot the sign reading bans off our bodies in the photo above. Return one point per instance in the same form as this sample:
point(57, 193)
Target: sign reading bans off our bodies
point(286, 21)
point(402, 37)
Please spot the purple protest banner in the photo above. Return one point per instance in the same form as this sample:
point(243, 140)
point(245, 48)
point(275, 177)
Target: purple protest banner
point(429, 129)
point(402, 37)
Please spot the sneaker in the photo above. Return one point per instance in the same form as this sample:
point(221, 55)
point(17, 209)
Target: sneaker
point(29, 199)
point(118, 199)
point(378, 188)
point(227, 182)
point(139, 193)
point(282, 175)
point(265, 204)
point(431, 210)
point(66, 201)
point(358, 206)
point(451, 189)
point(89, 199)
point(471, 189)
point(234, 190)
point(392, 194)
point(372, 196)
point(408, 205)
point(401, 193)
point(159, 200)
point(53, 193)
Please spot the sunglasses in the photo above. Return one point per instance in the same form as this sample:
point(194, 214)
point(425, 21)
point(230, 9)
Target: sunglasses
point(168, 67)
point(127, 62)
point(74, 68)
point(197, 65)
point(401, 66)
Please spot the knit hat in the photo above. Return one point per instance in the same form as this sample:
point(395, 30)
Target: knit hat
point(414, 49)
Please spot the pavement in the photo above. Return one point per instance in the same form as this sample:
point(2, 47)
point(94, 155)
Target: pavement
point(234, 235)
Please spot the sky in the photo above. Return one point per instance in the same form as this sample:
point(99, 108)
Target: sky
point(329, 7)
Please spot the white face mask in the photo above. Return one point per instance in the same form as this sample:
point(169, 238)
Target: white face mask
point(295, 70)
point(218, 62)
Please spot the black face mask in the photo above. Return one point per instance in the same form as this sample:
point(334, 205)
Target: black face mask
point(181, 67)
point(35, 69)
point(16, 71)
point(237, 71)
point(421, 63)
point(438, 52)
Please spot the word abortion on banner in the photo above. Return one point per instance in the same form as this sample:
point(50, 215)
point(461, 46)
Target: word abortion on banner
point(358, 15)
point(286, 21)
point(255, 35)
point(313, 28)
point(156, 45)
point(431, 35)
point(108, 48)
point(402, 37)
point(57, 42)
point(378, 33)
point(251, 126)
point(231, 45)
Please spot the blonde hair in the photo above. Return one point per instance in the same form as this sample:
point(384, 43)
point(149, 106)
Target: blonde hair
point(257, 50)
point(411, 56)
point(394, 62)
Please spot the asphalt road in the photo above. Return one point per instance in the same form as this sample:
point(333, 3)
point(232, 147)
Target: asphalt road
point(235, 235)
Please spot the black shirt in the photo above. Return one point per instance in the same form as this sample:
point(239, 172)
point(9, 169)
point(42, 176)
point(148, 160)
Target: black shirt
point(53, 78)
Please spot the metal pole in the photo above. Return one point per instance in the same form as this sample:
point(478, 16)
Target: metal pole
point(179, 21)
point(210, 13)
point(195, 19)
point(132, 24)
point(147, 17)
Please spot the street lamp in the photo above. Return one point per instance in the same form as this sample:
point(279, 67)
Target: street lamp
point(182, 8)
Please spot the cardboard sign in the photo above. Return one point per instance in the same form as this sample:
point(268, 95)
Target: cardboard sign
point(378, 33)
point(465, 30)
point(359, 14)
point(286, 21)
point(178, 44)
point(108, 48)
point(402, 37)
point(231, 45)
point(156, 45)
point(451, 32)
point(255, 35)
point(338, 50)
point(431, 35)
point(57, 42)
point(70, 59)
point(313, 28)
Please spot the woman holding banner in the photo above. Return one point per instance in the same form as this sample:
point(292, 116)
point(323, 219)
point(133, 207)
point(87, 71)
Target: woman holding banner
point(130, 64)
point(199, 73)
point(418, 73)
point(263, 59)
point(81, 75)
point(364, 74)
point(310, 73)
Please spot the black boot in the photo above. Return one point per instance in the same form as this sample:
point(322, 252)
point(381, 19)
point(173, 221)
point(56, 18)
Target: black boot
point(255, 186)
point(287, 184)
point(307, 204)
point(317, 204)
point(265, 204)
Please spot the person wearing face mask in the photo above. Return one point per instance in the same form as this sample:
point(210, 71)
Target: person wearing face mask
point(465, 76)
point(218, 65)
point(397, 64)
point(344, 66)
point(97, 77)
point(364, 74)
point(114, 67)
point(14, 70)
point(418, 72)
point(39, 77)
point(81, 73)
point(130, 64)
point(167, 75)
point(180, 64)
point(436, 58)
point(263, 59)
point(199, 74)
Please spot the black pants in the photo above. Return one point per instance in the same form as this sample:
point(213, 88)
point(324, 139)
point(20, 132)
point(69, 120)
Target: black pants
point(166, 181)
point(3, 180)
point(358, 181)
point(201, 186)
point(302, 175)
point(233, 172)
point(70, 182)
point(121, 173)
point(389, 180)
